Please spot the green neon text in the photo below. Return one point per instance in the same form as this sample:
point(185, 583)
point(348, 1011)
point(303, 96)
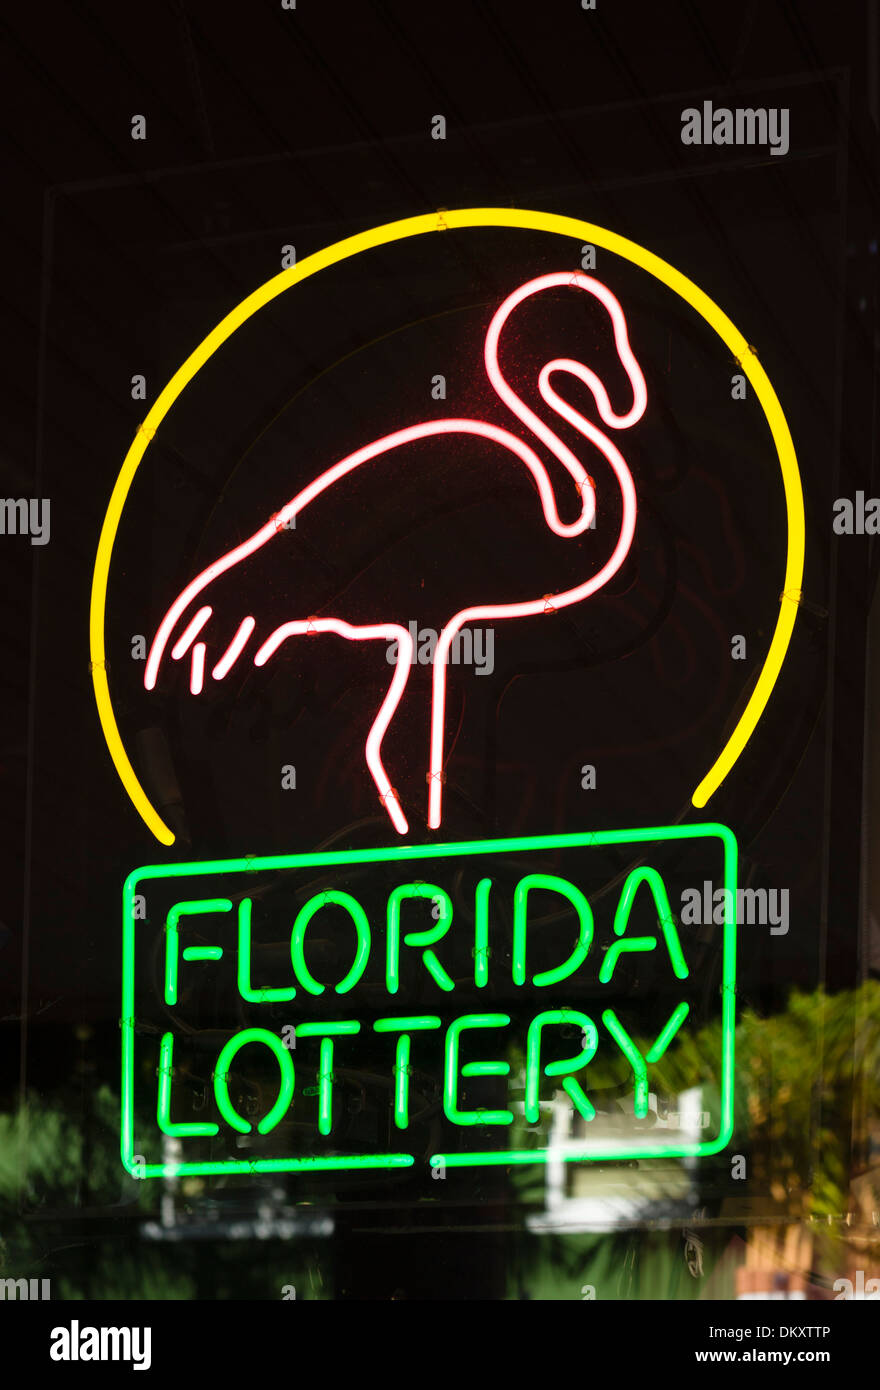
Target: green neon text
point(209, 946)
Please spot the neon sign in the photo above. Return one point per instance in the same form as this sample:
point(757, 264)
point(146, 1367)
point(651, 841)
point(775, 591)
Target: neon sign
point(480, 987)
point(392, 232)
point(192, 626)
point(438, 988)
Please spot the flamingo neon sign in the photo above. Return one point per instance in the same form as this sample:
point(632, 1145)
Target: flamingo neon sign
point(192, 620)
point(184, 623)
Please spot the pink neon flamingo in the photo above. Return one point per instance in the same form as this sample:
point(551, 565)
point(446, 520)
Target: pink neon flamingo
point(192, 622)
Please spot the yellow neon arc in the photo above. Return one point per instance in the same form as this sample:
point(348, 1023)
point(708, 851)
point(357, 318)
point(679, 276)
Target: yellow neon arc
point(397, 231)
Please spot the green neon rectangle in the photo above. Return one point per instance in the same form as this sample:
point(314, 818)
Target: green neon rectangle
point(403, 853)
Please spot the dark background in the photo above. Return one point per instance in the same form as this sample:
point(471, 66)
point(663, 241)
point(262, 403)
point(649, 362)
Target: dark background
point(267, 127)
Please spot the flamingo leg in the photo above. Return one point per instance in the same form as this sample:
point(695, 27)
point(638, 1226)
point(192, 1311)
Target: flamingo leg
point(197, 676)
point(387, 632)
point(438, 720)
point(438, 712)
point(234, 650)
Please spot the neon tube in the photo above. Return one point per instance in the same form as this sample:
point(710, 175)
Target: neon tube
point(221, 1080)
point(326, 1032)
point(572, 1088)
point(298, 936)
point(234, 650)
point(550, 883)
point(197, 679)
point(184, 642)
point(426, 939)
point(677, 1019)
point(481, 933)
point(401, 1068)
point(638, 1063)
point(389, 632)
point(243, 976)
point(451, 1071)
point(631, 943)
point(163, 1102)
point(189, 633)
point(644, 943)
point(172, 936)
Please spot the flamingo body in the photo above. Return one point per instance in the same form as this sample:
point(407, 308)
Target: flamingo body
point(194, 622)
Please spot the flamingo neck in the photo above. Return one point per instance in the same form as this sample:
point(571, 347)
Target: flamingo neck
point(518, 407)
